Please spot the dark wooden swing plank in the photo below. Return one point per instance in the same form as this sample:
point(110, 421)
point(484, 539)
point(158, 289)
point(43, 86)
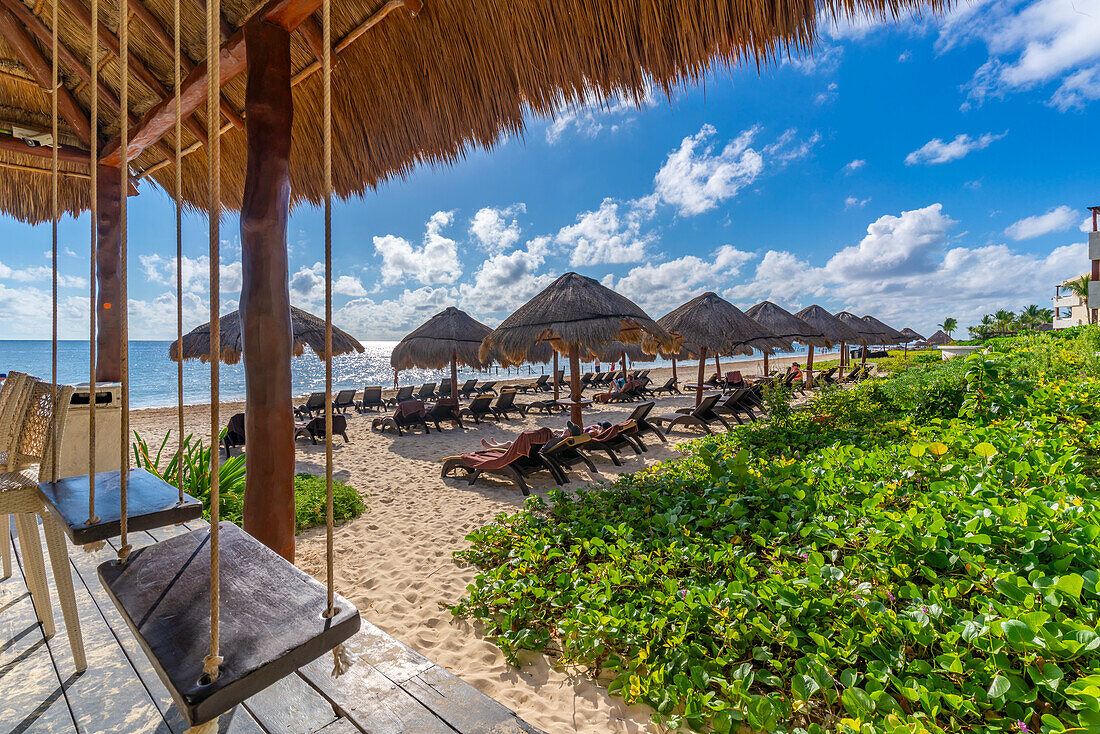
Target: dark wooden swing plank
point(151, 502)
point(272, 619)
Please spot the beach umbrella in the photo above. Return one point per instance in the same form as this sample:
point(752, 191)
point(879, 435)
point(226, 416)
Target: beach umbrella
point(709, 324)
point(452, 336)
point(909, 335)
point(306, 329)
point(939, 339)
point(868, 334)
point(576, 314)
point(834, 329)
point(786, 325)
point(616, 350)
point(891, 333)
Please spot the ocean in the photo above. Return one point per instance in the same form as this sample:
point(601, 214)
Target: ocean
point(153, 374)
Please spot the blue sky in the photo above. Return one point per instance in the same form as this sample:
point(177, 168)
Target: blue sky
point(922, 169)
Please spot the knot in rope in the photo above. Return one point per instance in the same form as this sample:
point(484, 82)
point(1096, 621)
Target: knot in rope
point(124, 552)
point(211, 665)
point(342, 660)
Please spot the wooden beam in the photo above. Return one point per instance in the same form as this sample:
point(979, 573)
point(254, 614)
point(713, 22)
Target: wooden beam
point(374, 19)
point(67, 107)
point(108, 367)
point(150, 21)
point(137, 67)
point(226, 29)
point(65, 153)
point(314, 35)
point(286, 14)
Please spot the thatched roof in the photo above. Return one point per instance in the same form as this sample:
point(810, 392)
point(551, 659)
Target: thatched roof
point(306, 329)
point(613, 352)
point(540, 353)
point(909, 335)
point(410, 90)
point(895, 336)
point(450, 333)
point(785, 325)
point(577, 310)
point(939, 338)
point(868, 335)
point(835, 330)
point(712, 323)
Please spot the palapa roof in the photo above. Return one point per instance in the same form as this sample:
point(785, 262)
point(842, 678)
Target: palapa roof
point(868, 334)
point(786, 325)
point(895, 336)
point(306, 329)
point(835, 330)
point(939, 338)
point(613, 352)
point(712, 323)
point(407, 90)
point(450, 333)
point(577, 310)
point(909, 335)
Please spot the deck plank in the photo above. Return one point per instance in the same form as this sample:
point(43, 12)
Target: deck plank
point(36, 700)
point(462, 706)
point(291, 706)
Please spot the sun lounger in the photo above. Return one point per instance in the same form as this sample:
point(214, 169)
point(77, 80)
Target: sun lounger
point(314, 404)
point(315, 429)
point(468, 389)
point(372, 399)
point(445, 410)
point(549, 406)
point(234, 433)
point(640, 417)
point(736, 404)
point(566, 452)
point(517, 460)
point(480, 407)
point(586, 380)
point(343, 400)
point(630, 391)
point(825, 378)
point(506, 403)
point(701, 416)
point(538, 385)
point(444, 390)
point(408, 414)
point(614, 439)
point(427, 391)
point(487, 388)
point(403, 394)
point(669, 387)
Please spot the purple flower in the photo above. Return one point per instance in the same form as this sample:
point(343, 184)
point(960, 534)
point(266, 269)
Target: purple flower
point(683, 593)
point(1022, 726)
point(804, 556)
point(924, 609)
point(891, 596)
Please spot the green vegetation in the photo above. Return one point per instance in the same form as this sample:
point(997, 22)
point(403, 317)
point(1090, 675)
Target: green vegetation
point(916, 554)
point(309, 490)
point(1004, 323)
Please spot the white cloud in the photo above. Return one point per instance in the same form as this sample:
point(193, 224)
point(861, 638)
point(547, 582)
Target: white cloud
point(895, 245)
point(491, 228)
point(506, 281)
point(392, 318)
point(824, 61)
point(658, 288)
point(1086, 224)
point(937, 151)
point(904, 56)
point(828, 95)
point(307, 286)
point(594, 116)
point(854, 202)
point(196, 273)
point(695, 177)
point(1055, 220)
point(610, 234)
point(854, 165)
point(434, 263)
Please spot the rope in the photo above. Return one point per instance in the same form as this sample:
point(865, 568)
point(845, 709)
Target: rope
point(213, 170)
point(123, 295)
point(53, 217)
point(210, 727)
point(179, 251)
point(93, 171)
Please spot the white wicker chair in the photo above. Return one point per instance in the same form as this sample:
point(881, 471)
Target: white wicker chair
point(30, 456)
point(14, 395)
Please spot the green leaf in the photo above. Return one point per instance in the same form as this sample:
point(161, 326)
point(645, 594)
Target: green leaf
point(985, 450)
point(1071, 584)
point(803, 687)
point(1017, 633)
point(999, 686)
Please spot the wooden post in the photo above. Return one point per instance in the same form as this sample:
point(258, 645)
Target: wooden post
point(624, 366)
point(555, 375)
point(454, 376)
point(265, 296)
point(717, 367)
point(765, 364)
point(699, 382)
point(108, 259)
point(863, 356)
point(843, 351)
point(674, 380)
point(575, 385)
point(810, 367)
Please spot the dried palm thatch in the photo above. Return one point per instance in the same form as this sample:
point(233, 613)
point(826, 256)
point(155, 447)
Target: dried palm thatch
point(835, 330)
point(307, 329)
point(450, 334)
point(410, 90)
point(940, 338)
point(540, 353)
point(894, 336)
point(909, 335)
point(786, 325)
point(709, 324)
point(575, 311)
point(868, 335)
point(614, 351)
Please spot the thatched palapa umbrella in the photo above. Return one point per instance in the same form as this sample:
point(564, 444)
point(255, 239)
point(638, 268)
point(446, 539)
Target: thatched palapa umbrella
point(786, 325)
point(939, 339)
point(614, 351)
point(835, 330)
point(893, 335)
point(450, 337)
point(306, 328)
point(575, 314)
point(709, 324)
point(868, 334)
point(909, 335)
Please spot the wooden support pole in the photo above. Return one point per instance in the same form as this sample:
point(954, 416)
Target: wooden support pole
point(265, 295)
point(108, 272)
point(717, 367)
point(810, 367)
point(674, 380)
point(765, 364)
point(575, 414)
point(65, 153)
point(454, 376)
point(555, 375)
point(843, 351)
point(702, 371)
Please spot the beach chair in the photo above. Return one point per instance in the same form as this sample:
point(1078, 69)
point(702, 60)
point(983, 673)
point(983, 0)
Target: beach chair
point(315, 428)
point(403, 394)
point(794, 380)
point(629, 392)
point(487, 388)
point(561, 379)
point(542, 384)
point(234, 434)
point(701, 416)
point(549, 407)
point(506, 403)
point(445, 410)
point(586, 380)
point(733, 380)
point(827, 377)
point(736, 404)
point(613, 439)
point(444, 390)
point(566, 452)
point(427, 391)
point(517, 460)
point(480, 407)
point(468, 389)
point(670, 387)
point(853, 376)
point(640, 417)
point(343, 400)
point(314, 404)
point(408, 414)
point(372, 399)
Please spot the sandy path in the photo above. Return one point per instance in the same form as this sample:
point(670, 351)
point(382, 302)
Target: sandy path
point(395, 561)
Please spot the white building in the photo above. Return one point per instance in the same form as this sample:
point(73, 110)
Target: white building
point(1069, 309)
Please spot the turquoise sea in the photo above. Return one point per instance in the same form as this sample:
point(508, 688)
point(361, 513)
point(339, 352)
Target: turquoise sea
point(153, 375)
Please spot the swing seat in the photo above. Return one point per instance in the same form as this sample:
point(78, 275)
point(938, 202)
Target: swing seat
point(272, 616)
point(151, 503)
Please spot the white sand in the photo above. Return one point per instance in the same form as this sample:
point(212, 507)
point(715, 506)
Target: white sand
point(395, 561)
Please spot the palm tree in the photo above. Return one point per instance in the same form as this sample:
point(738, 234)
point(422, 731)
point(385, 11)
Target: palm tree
point(1033, 316)
point(1004, 321)
point(984, 329)
point(1080, 288)
point(949, 325)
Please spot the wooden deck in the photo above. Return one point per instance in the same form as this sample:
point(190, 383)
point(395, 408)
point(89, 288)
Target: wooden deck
point(390, 689)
